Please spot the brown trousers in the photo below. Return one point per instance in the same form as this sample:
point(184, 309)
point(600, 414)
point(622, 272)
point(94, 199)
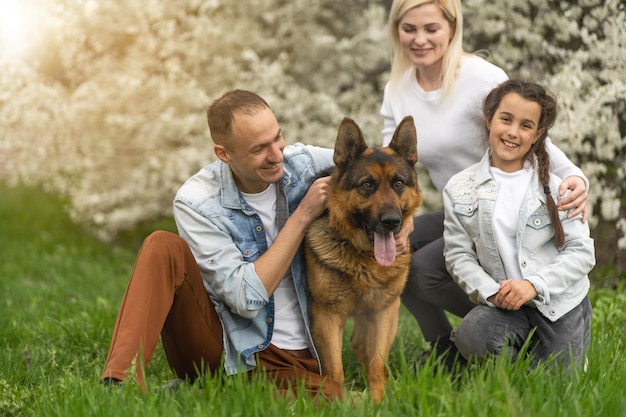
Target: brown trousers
point(166, 296)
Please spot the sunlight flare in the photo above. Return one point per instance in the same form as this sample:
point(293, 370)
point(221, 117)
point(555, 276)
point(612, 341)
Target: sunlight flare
point(19, 29)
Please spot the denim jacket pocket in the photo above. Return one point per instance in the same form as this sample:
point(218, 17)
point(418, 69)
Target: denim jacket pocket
point(538, 221)
point(538, 232)
point(248, 248)
point(464, 209)
point(467, 214)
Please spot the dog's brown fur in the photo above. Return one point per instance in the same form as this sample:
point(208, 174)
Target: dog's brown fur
point(373, 190)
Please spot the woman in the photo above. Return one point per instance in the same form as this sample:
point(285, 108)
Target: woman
point(515, 255)
point(443, 88)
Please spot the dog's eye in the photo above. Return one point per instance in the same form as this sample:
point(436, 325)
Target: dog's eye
point(398, 184)
point(367, 185)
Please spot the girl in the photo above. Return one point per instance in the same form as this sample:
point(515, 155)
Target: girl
point(508, 247)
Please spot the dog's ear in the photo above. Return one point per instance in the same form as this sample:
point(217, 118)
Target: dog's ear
point(404, 140)
point(350, 143)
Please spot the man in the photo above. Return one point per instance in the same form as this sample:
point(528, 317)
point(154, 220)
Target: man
point(242, 220)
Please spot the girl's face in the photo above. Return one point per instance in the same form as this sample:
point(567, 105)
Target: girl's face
point(424, 35)
point(512, 131)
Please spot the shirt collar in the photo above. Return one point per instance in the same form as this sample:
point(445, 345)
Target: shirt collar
point(230, 193)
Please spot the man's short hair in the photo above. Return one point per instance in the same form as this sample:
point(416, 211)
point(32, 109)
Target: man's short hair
point(221, 112)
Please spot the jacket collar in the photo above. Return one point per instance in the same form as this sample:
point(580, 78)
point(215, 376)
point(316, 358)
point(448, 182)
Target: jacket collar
point(231, 198)
point(483, 175)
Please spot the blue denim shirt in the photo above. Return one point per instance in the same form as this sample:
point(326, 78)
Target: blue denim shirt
point(558, 274)
point(226, 236)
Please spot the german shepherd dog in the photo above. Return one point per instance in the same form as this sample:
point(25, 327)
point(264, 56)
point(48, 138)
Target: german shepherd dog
point(350, 251)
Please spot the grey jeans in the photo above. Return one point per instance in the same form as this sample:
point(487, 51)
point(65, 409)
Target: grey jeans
point(489, 331)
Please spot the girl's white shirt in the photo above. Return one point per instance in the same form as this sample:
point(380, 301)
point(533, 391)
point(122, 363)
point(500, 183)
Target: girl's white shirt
point(507, 207)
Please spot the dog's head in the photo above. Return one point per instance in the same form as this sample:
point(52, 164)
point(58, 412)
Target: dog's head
point(376, 188)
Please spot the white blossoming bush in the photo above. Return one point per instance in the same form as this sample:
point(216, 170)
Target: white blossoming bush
point(29, 123)
point(110, 110)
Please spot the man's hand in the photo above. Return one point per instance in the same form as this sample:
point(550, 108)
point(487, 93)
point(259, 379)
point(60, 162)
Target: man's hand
point(314, 202)
point(577, 199)
point(513, 294)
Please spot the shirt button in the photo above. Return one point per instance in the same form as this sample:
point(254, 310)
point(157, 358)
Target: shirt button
point(259, 228)
point(537, 222)
point(247, 251)
point(552, 312)
point(523, 264)
point(269, 320)
point(470, 209)
point(260, 346)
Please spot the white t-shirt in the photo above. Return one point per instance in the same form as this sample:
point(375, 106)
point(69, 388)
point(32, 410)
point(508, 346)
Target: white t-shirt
point(289, 330)
point(511, 191)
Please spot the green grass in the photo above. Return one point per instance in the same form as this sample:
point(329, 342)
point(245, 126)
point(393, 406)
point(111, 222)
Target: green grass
point(61, 289)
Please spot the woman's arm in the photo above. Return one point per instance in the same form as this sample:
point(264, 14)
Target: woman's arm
point(574, 180)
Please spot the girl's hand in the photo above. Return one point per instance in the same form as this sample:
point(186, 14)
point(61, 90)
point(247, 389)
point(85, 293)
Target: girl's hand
point(513, 294)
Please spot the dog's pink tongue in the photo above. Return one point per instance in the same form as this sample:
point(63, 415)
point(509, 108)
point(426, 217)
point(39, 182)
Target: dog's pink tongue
point(384, 248)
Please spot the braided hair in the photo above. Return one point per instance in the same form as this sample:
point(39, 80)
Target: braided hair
point(547, 101)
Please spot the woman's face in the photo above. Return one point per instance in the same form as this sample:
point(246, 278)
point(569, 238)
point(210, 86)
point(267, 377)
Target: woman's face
point(424, 35)
point(513, 129)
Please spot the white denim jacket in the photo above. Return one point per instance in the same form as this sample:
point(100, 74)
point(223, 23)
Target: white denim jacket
point(558, 274)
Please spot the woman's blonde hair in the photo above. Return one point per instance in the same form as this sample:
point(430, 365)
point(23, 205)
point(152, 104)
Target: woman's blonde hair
point(400, 64)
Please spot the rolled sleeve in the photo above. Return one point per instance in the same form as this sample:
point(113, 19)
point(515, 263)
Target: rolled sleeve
point(322, 157)
point(228, 277)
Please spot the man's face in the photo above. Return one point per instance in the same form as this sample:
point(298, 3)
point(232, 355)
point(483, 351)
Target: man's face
point(255, 151)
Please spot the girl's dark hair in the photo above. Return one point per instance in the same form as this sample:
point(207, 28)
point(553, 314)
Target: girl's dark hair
point(547, 101)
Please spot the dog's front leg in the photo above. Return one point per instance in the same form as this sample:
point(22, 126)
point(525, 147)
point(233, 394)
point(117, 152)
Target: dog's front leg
point(372, 337)
point(327, 328)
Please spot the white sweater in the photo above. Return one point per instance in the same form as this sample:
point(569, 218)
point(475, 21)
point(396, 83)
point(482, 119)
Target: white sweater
point(451, 135)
